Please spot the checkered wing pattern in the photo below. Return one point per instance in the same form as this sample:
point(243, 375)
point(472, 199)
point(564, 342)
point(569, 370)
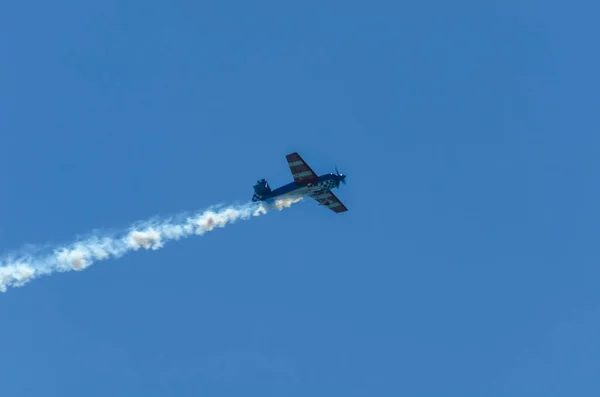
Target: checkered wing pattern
point(328, 199)
point(330, 184)
point(301, 172)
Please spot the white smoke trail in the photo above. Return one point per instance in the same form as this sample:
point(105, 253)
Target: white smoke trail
point(16, 271)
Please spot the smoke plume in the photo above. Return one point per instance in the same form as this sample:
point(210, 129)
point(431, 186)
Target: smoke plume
point(18, 270)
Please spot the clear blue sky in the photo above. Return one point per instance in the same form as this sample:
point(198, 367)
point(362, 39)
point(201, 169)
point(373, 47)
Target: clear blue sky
point(466, 266)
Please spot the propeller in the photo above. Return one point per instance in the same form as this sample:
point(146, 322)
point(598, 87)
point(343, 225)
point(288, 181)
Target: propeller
point(343, 179)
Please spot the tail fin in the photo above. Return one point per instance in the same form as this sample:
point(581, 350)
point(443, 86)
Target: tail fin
point(261, 189)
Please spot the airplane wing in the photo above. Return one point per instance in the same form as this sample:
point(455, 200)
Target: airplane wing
point(301, 172)
point(328, 199)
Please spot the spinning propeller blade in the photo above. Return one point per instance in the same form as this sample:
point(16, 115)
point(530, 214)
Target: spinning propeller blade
point(343, 180)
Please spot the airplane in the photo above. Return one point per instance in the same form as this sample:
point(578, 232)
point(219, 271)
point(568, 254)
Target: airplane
point(306, 183)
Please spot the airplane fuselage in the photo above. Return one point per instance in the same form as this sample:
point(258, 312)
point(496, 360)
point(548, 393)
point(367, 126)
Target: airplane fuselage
point(323, 183)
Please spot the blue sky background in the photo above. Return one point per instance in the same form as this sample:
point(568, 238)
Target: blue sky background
point(466, 266)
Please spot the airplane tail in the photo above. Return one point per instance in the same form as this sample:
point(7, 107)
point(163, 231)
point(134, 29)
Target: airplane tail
point(261, 189)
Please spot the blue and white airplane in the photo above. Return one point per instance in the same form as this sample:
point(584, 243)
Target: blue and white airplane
point(306, 183)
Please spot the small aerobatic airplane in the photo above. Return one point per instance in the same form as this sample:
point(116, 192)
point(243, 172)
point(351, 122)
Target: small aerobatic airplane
point(306, 183)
